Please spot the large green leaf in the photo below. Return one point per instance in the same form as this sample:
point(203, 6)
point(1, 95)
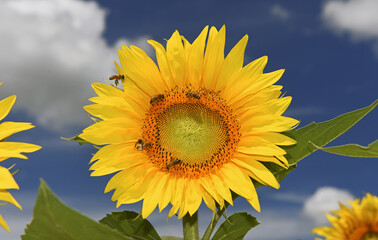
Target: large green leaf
point(131, 224)
point(319, 134)
point(54, 220)
point(236, 227)
point(170, 238)
point(322, 133)
point(354, 150)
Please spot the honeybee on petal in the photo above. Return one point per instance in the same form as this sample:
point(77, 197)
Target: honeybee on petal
point(174, 161)
point(193, 95)
point(140, 145)
point(156, 98)
point(117, 78)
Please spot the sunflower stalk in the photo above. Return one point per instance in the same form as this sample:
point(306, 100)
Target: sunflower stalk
point(190, 227)
point(214, 221)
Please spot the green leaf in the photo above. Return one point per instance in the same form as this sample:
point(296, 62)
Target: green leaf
point(236, 228)
point(354, 150)
point(132, 224)
point(319, 134)
point(76, 139)
point(322, 133)
point(54, 220)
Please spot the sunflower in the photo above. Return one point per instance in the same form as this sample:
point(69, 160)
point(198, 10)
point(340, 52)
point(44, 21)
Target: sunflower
point(196, 127)
point(357, 223)
point(9, 150)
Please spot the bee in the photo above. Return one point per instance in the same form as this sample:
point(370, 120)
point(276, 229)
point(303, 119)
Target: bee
point(157, 98)
point(193, 95)
point(116, 78)
point(140, 145)
point(174, 161)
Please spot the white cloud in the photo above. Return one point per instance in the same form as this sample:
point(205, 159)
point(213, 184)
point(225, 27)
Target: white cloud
point(51, 51)
point(322, 201)
point(359, 18)
point(280, 12)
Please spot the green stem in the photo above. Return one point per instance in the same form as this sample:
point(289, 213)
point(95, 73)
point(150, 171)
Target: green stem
point(214, 221)
point(190, 227)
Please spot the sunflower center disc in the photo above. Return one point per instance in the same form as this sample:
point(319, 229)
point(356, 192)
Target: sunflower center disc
point(190, 133)
point(371, 235)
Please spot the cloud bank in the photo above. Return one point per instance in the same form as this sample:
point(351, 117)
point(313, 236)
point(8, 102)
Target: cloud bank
point(322, 201)
point(358, 18)
point(51, 51)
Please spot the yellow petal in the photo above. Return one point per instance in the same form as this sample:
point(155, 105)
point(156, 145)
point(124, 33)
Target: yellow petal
point(4, 224)
point(196, 58)
point(261, 173)
point(214, 56)
point(102, 89)
point(237, 180)
point(167, 193)
point(6, 180)
point(153, 193)
point(165, 70)
point(222, 189)
point(113, 158)
point(9, 128)
point(6, 105)
point(140, 70)
point(137, 191)
point(209, 201)
point(194, 198)
point(271, 137)
point(207, 184)
point(265, 80)
point(279, 160)
point(7, 197)
point(249, 99)
point(125, 179)
point(268, 150)
point(232, 64)
point(108, 132)
point(273, 107)
point(266, 123)
point(176, 59)
point(245, 78)
point(108, 112)
point(14, 149)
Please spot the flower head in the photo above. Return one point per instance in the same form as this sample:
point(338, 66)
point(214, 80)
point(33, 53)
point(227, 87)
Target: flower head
point(196, 127)
point(9, 150)
point(360, 222)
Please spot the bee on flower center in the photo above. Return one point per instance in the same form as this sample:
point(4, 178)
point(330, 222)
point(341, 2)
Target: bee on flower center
point(156, 98)
point(117, 78)
point(174, 161)
point(193, 95)
point(140, 145)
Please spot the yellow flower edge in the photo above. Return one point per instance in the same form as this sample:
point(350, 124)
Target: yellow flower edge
point(196, 127)
point(11, 150)
point(358, 222)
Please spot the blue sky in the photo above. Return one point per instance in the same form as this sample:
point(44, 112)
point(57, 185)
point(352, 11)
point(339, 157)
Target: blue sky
point(51, 51)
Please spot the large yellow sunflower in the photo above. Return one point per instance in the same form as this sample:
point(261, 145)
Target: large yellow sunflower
point(11, 150)
point(197, 126)
point(357, 223)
